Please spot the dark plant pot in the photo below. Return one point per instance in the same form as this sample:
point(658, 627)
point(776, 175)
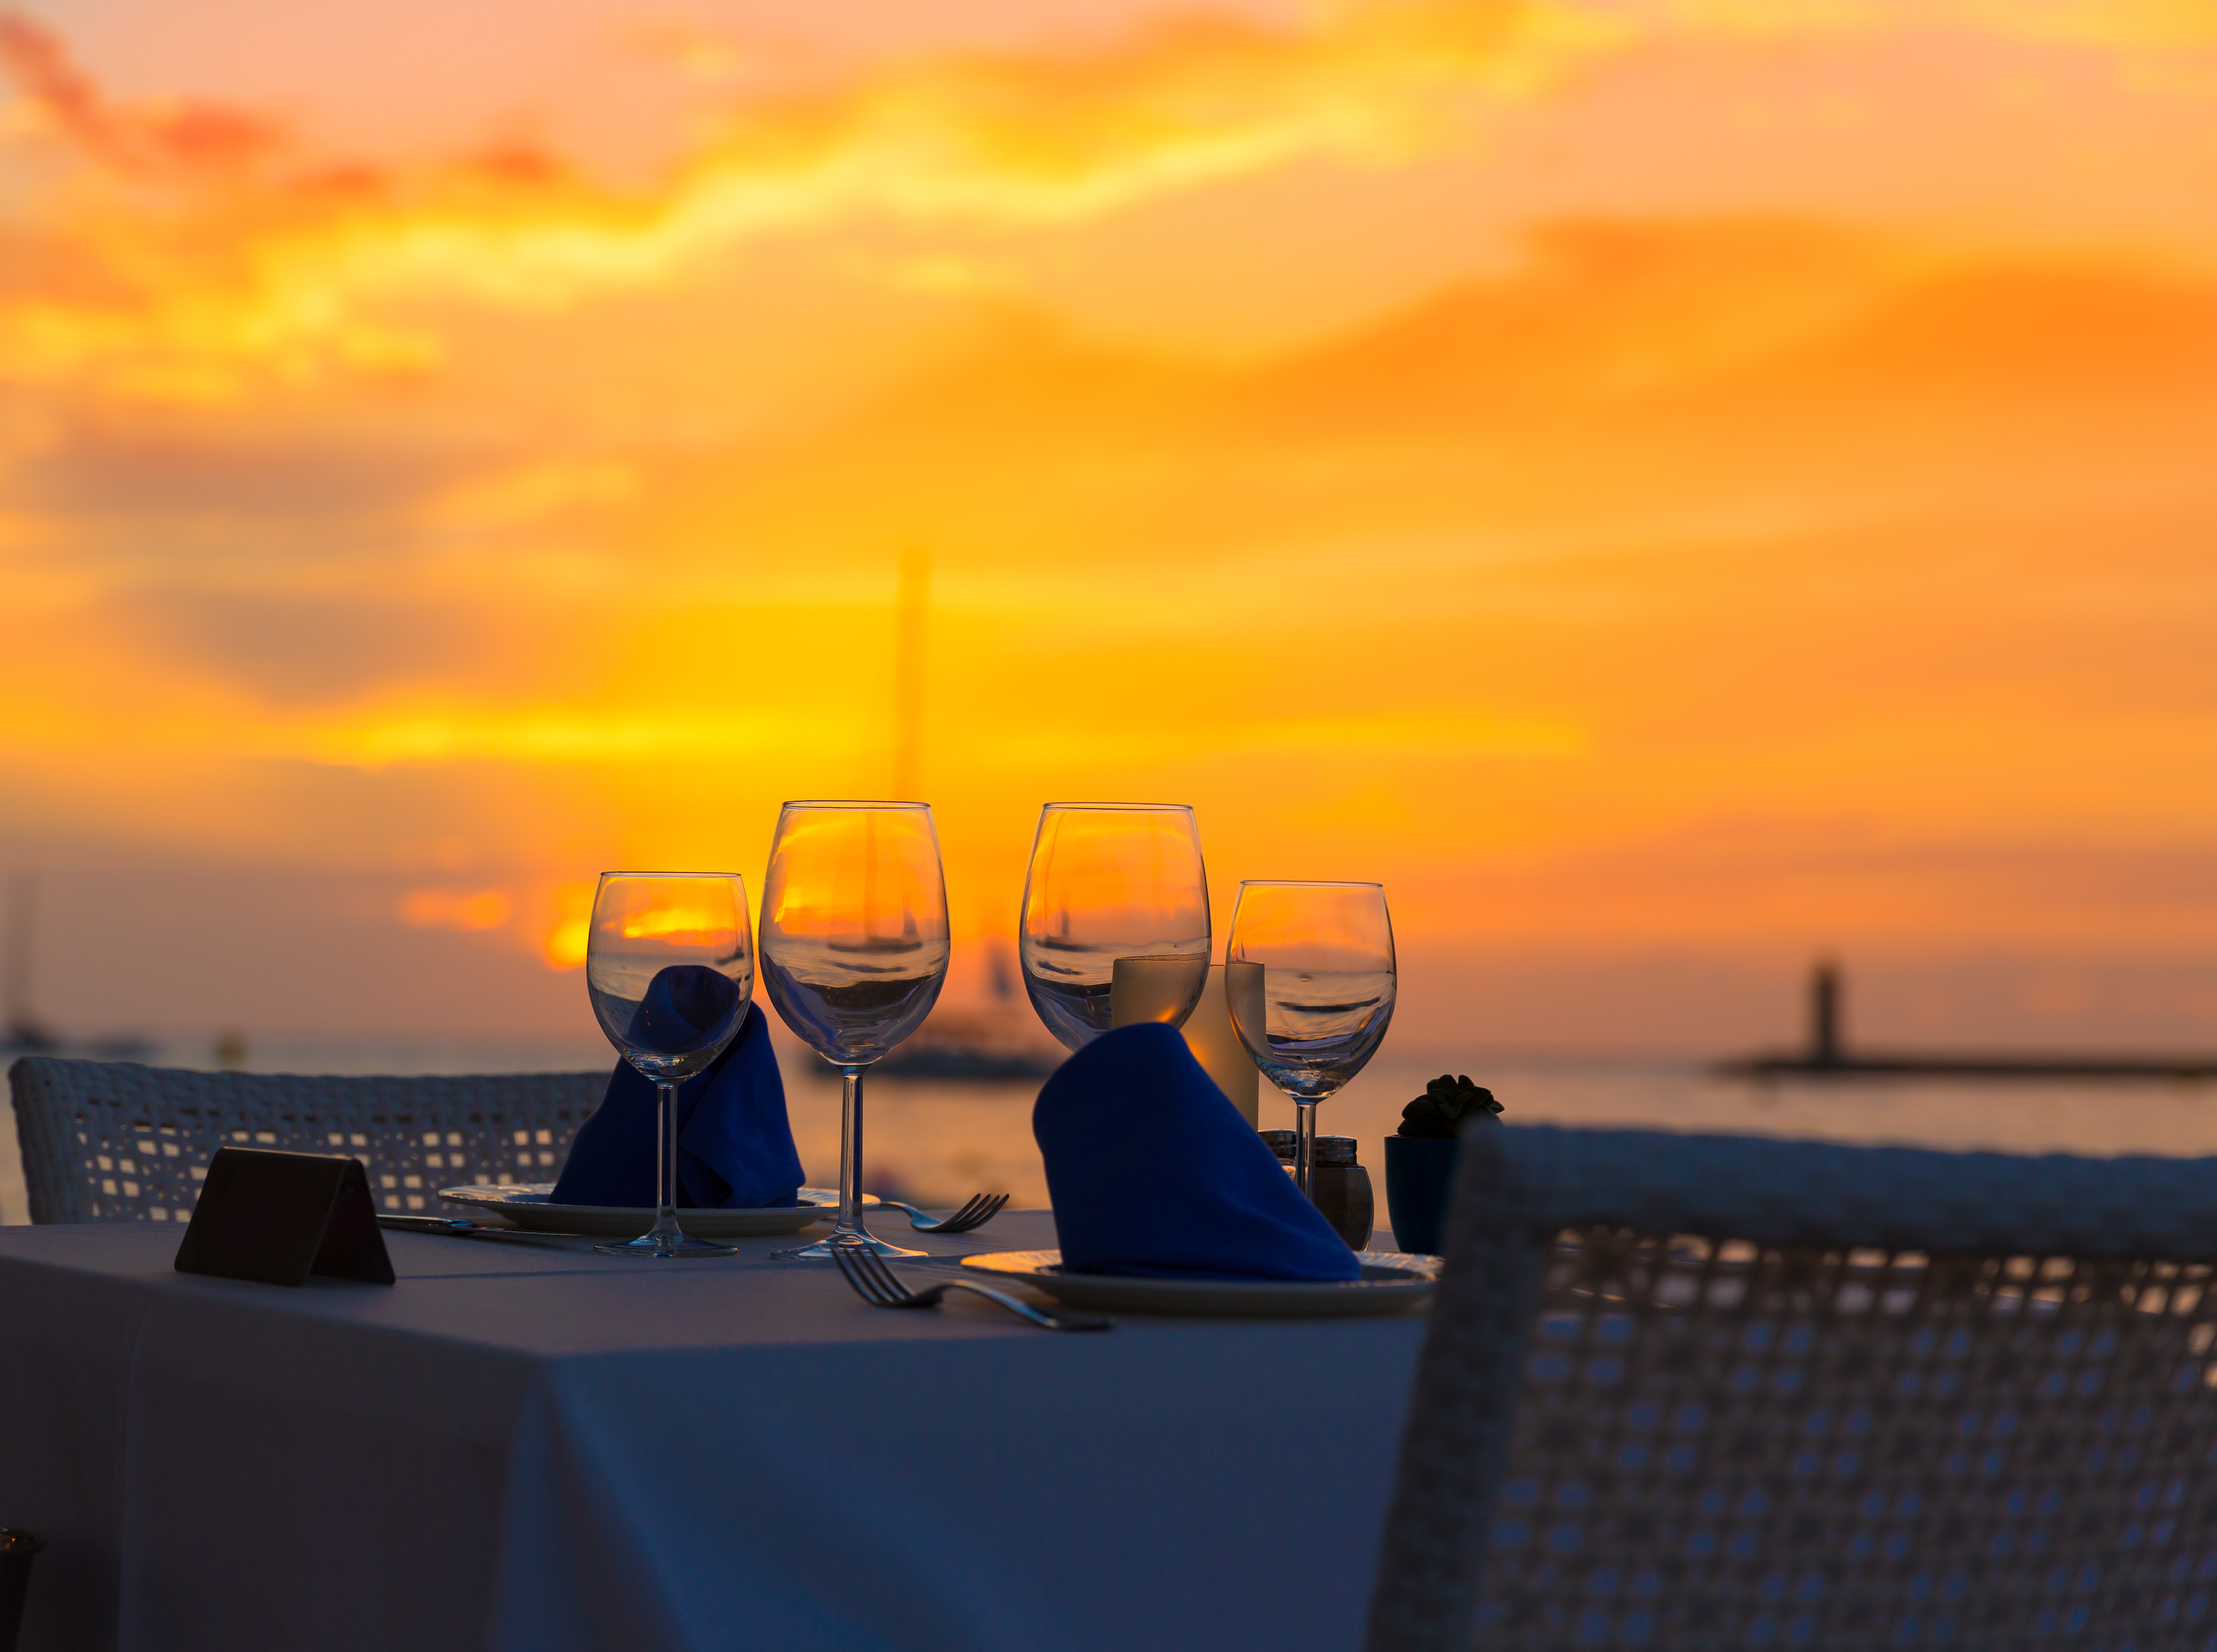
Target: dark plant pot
point(17, 1550)
point(1419, 1179)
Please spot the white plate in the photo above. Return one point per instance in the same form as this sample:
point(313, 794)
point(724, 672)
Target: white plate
point(529, 1206)
point(1390, 1283)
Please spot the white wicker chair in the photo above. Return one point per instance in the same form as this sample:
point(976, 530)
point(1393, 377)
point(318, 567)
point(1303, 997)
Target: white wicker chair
point(116, 1142)
point(1700, 1392)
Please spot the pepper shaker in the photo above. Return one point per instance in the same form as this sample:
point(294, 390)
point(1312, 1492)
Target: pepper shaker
point(1339, 1186)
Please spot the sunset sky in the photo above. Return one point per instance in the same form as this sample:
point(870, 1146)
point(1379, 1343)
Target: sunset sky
point(1670, 488)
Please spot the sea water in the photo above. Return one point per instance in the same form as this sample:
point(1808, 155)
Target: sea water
point(936, 1141)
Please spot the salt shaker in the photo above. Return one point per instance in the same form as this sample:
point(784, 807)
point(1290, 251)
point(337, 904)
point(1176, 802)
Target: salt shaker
point(1339, 1186)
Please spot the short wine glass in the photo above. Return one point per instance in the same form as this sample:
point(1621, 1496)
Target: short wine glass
point(855, 949)
point(1111, 883)
point(1325, 954)
point(670, 965)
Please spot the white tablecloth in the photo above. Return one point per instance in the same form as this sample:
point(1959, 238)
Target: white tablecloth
point(526, 1447)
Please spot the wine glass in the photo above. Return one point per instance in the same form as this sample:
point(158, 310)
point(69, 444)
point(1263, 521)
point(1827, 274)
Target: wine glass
point(855, 949)
point(1111, 883)
point(670, 964)
point(1325, 953)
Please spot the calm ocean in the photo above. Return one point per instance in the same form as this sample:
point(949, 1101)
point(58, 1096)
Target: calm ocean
point(935, 1140)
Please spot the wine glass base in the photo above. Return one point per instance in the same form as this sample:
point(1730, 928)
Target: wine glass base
point(661, 1244)
point(861, 1239)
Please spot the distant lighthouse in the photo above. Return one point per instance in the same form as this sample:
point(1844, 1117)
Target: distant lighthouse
point(1825, 1014)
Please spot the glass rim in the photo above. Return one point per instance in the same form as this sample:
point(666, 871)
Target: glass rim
point(852, 802)
point(702, 875)
point(1310, 883)
point(1140, 808)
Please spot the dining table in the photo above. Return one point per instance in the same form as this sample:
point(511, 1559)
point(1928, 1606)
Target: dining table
point(526, 1445)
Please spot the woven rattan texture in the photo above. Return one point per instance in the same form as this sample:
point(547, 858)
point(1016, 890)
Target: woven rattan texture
point(116, 1142)
point(1720, 1446)
point(1634, 1436)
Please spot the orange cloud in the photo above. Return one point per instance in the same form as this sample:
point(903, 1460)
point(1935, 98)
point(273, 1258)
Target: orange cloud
point(452, 908)
point(246, 269)
point(208, 254)
point(186, 137)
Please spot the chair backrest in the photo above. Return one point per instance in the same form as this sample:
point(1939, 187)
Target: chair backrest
point(117, 1141)
point(1697, 1392)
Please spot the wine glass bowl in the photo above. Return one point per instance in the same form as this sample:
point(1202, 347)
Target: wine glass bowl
point(855, 946)
point(855, 934)
point(1325, 951)
point(669, 967)
point(1110, 882)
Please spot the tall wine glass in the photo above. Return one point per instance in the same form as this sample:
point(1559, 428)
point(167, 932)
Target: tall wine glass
point(670, 965)
point(1111, 882)
point(855, 949)
point(1325, 954)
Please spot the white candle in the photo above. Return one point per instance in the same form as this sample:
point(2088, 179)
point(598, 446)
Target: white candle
point(1215, 1043)
point(1152, 988)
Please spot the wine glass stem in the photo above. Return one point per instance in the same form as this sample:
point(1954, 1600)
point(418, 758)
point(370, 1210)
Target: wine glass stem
point(1304, 1145)
point(665, 1101)
point(850, 1157)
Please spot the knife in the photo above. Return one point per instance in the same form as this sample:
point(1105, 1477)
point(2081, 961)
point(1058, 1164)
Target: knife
point(455, 1227)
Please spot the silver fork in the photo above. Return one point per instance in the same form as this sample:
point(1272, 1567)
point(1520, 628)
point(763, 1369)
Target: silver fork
point(981, 1209)
point(875, 1284)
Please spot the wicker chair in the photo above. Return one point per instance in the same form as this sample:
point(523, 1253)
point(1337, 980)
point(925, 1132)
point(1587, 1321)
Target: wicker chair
point(1702, 1392)
point(116, 1142)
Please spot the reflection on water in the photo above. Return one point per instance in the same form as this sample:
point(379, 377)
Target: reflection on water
point(941, 1140)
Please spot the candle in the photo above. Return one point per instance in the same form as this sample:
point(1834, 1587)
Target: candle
point(1154, 988)
point(1215, 1043)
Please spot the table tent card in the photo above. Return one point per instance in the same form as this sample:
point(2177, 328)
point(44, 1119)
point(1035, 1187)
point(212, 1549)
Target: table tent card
point(277, 1218)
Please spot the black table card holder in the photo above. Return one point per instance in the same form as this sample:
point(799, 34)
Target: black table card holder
point(277, 1218)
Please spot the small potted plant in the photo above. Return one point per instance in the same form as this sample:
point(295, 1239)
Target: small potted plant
point(1420, 1161)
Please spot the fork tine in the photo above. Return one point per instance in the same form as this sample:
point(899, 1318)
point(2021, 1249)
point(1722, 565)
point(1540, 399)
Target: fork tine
point(981, 1209)
point(846, 1266)
point(849, 1265)
point(890, 1291)
point(847, 1272)
point(990, 1205)
point(894, 1282)
point(874, 1265)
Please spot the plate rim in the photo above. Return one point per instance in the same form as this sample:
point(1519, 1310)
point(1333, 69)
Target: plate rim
point(535, 1213)
point(1417, 1280)
point(471, 1193)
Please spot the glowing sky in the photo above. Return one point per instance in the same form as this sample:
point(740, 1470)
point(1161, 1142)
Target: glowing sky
point(1701, 481)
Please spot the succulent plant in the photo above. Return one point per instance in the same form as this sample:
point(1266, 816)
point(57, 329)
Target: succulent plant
point(1448, 1106)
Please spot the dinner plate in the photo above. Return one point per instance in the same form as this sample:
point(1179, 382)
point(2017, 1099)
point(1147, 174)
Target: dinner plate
point(530, 1205)
point(1390, 1283)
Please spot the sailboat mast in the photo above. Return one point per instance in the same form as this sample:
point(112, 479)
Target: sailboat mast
point(912, 618)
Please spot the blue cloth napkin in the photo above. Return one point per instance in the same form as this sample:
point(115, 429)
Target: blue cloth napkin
point(734, 1145)
point(1153, 1171)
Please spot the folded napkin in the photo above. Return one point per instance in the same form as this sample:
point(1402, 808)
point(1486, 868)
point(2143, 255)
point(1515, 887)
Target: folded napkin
point(734, 1146)
point(1153, 1171)
point(686, 1006)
